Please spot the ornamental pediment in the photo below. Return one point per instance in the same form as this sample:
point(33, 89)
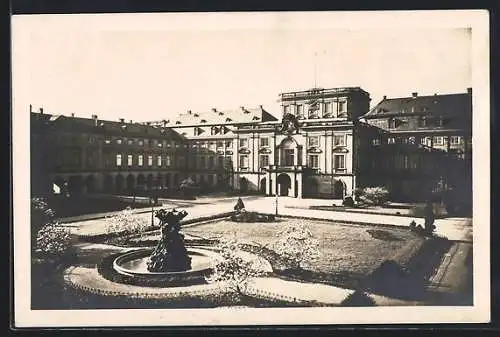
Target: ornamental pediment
point(265, 151)
point(340, 149)
point(229, 152)
point(244, 151)
point(314, 150)
point(220, 153)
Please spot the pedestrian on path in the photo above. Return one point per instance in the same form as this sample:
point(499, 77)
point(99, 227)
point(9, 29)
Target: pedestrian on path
point(239, 205)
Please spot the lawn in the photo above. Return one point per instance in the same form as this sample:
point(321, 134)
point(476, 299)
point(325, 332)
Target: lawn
point(345, 248)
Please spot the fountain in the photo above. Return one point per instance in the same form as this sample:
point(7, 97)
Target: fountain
point(170, 263)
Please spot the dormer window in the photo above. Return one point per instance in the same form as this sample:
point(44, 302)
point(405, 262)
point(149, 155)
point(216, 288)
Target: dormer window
point(229, 120)
point(255, 118)
point(196, 115)
point(203, 121)
point(422, 121)
point(178, 122)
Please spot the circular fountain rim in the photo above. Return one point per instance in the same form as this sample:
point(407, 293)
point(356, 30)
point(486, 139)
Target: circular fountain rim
point(140, 253)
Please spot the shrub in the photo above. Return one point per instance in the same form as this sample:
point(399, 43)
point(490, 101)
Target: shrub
point(297, 246)
point(348, 202)
point(232, 268)
point(53, 240)
point(41, 215)
point(125, 222)
point(358, 299)
point(374, 195)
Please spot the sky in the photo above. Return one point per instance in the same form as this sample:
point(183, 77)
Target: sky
point(152, 67)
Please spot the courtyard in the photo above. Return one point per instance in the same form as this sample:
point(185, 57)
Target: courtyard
point(359, 253)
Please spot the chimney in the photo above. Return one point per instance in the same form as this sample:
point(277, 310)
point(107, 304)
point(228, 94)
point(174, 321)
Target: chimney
point(189, 112)
point(242, 108)
point(72, 114)
point(131, 121)
point(469, 91)
point(31, 108)
point(385, 97)
point(41, 111)
point(214, 110)
point(148, 123)
point(94, 117)
point(414, 94)
point(122, 120)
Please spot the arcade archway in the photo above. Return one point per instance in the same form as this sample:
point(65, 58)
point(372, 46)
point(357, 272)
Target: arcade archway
point(284, 184)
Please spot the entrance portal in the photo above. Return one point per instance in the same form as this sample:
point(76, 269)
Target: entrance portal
point(243, 184)
point(263, 186)
point(284, 184)
point(338, 190)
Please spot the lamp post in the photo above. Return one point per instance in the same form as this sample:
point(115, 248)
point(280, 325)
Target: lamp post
point(152, 212)
point(276, 203)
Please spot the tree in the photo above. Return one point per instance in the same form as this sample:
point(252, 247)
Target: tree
point(297, 245)
point(53, 240)
point(232, 268)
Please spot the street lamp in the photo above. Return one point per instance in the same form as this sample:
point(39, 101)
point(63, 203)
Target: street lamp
point(276, 203)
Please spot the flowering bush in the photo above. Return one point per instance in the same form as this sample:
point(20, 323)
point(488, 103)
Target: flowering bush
point(374, 195)
point(41, 215)
point(125, 222)
point(53, 240)
point(297, 245)
point(232, 268)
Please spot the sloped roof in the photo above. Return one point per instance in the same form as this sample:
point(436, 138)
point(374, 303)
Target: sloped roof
point(433, 105)
point(88, 125)
point(221, 117)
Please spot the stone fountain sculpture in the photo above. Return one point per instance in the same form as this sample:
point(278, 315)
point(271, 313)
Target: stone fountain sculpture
point(170, 255)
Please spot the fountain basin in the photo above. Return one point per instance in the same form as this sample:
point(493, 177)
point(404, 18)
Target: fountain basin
point(133, 266)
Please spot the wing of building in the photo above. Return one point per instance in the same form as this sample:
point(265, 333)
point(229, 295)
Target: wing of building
point(325, 144)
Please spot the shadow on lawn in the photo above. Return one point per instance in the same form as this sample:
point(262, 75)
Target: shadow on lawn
point(410, 281)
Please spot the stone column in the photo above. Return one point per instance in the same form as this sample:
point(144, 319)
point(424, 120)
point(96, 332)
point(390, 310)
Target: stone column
point(299, 185)
point(268, 180)
point(291, 193)
point(273, 183)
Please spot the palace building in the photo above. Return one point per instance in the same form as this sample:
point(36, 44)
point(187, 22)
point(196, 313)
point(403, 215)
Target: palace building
point(326, 144)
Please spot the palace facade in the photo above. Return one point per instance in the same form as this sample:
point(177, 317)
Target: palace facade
point(326, 144)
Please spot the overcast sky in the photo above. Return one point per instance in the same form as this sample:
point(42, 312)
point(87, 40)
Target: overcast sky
point(152, 67)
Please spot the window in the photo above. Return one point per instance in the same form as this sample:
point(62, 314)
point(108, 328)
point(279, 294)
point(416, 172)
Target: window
point(129, 160)
point(220, 161)
point(158, 161)
point(264, 160)
point(422, 121)
point(160, 144)
point(210, 162)
point(180, 161)
point(228, 161)
point(107, 141)
point(264, 142)
point(118, 141)
point(211, 145)
point(338, 140)
point(130, 141)
point(91, 140)
point(169, 143)
point(438, 140)
point(210, 178)
point(220, 144)
point(243, 161)
point(286, 109)
point(392, 123)
point(204, 145)
point(454, 140)
point(342, 106)
point(118, 160)
point(339, 162)
point(300, 110)
point(289, 157)
point(405, 162)
point(313, 140)
point(328, 108)
point(376, 141)
point(411, 140)
point(150, 160)
point(229, 143)
point(391, 140)
point(140, 160)
point(243, 142)
point(168, 161)
point(313, 161)
point(141, 142)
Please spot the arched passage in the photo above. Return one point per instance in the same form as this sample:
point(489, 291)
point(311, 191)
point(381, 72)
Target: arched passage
point(284, 184)
point(159, 180)
point(130, 183)
point(75, 184)
point(311, 187)
point(149, 181)
point(168, 180)
point(108, 183)
point(90, 184)
point(141, 181)
point(119, 183)
point(338, 189)
point(243, 184)
point(262, 186)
